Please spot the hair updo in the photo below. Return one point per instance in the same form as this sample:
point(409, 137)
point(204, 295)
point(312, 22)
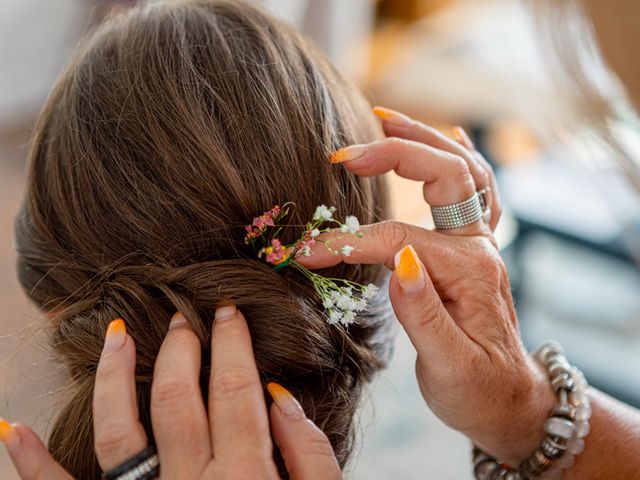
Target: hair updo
point(175, 125)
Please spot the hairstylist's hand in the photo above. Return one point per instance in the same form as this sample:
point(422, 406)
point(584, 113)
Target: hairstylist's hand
point(458, 312)
point(232, 441)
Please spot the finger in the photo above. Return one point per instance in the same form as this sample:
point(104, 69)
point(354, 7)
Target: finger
point(395, 124)
point(237, 411)
point(305, 448)
point(178, 414)
point(117, 429)
point(446, 175)
point(30, 457)
point(494, 194)
point(377, 245)
point(419, 309)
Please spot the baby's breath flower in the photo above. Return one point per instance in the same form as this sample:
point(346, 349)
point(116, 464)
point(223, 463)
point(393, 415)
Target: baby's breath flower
point(350, 225)
point(335, 316)
point(348, 318)
point(314, 233)
point(323, 213)
point(369, 291)
point(344, 302)
point(346, 250)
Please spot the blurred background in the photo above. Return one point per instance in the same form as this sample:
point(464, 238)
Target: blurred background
point(570, 233)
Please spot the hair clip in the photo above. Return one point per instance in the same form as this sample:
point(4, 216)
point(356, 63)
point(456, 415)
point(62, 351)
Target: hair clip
point(342, 299)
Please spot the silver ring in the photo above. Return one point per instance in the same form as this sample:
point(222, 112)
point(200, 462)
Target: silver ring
point(457, 215)
point(143, 466)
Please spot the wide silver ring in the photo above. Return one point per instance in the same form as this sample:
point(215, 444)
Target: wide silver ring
point(457, 215)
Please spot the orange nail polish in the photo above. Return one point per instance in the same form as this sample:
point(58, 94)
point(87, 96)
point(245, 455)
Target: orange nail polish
point(115, 336)
point(8, 435)
point(348, 153)
point(409, 270)
point(461, 137)
point(285, 401)
point(391, 116)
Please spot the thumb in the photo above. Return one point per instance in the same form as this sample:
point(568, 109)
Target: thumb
point(419, 309)
point(29, 455)
point(306, 450)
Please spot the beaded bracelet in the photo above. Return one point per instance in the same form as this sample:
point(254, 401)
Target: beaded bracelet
point(566, 426)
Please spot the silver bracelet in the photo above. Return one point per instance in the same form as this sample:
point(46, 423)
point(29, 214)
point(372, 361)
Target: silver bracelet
point(566, 426)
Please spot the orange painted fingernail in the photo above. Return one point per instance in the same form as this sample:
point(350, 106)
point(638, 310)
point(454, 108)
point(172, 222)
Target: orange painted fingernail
point(348, 153)
point(8, 435)
point(115, 336)
point(409, 270)
point(285, 401)
point(391, 116)
point(461, 136)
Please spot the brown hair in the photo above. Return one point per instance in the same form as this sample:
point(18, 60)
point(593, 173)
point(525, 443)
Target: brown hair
point(173, 126)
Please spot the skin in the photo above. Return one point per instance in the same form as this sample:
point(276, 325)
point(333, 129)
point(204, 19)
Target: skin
point(232, 442)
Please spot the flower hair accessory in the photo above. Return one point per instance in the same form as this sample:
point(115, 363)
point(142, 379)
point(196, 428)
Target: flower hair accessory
point(342, 299)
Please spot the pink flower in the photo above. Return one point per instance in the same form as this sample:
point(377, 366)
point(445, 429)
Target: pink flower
point(276, 253)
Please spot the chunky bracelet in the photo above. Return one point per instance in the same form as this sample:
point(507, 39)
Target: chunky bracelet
point(566, 426)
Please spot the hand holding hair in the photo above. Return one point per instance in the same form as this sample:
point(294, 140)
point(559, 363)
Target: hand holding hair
point(232, 440)
point(450, 291)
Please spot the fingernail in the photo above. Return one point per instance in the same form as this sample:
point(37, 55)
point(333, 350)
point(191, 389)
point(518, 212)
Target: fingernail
point(285, 401)
point(409, 270)
point(9, 436)
point(226, 312)
point(461, 136)
point(177, 320)
point(391, 116)
point(347, 154)
point(115, 336)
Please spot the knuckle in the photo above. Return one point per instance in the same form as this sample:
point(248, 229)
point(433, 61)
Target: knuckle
point(488, 262)
point(485, 178)
point(181, 336)
point(394, 142)
point(312, 442)
point(458, 166)
point(231, 382)
point(393, 234)
point(112, 439)
point(428, 315)
point(171, 393)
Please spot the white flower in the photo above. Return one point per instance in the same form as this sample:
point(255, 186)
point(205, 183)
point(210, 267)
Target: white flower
point(360, 305)
point(351, 225)
point(305, 251)
point(334, 295)
point(346, 250)
point(370, 291)
point(323, 213)
point(315, 232)
point(348, 318)
point(335, 316)
point(327, 303)
point(344, 302)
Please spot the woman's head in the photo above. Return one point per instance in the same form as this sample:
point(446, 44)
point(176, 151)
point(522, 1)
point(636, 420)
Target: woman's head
point(173, 127)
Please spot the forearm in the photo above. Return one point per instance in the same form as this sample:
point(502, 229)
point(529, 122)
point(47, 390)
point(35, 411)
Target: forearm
point(612, 449)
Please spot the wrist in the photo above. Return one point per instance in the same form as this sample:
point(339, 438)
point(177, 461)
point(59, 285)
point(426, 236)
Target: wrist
point(521, 429)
